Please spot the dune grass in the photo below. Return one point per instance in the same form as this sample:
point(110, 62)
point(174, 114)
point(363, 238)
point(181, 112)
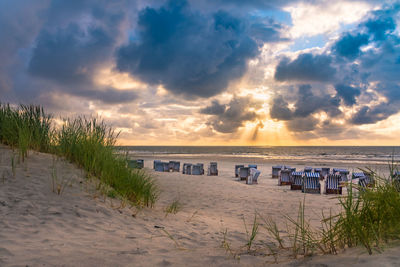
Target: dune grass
point(89, 143)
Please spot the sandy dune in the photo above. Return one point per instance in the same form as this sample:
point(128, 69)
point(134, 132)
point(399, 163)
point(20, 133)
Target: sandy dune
point(80, 227)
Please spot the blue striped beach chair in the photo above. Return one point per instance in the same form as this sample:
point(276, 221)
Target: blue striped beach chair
point(311, 183)
point(196, 169)
point(187, 168)
point(296, 180)
point(237, 167)
point(244, 172)
point(332, 184)
point(212, 169)
point(275, 171)
point(154, 163)
point(284, 177)
point(158, 166)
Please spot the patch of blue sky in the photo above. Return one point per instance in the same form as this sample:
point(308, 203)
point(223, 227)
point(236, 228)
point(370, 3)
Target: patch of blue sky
point(278, 15)
point(307, 42)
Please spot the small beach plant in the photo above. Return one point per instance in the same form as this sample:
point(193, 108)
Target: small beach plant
point(173, 208)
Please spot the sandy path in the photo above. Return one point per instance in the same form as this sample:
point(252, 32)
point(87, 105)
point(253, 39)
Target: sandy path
point(81, 228)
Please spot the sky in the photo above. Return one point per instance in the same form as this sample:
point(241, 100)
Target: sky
point(210, 72)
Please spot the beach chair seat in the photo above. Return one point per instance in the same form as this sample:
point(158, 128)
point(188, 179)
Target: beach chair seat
point(311, 183)
point(275, 171)
point(237, 167)
point(212, 169)
point(284, 177)
point(244, 172)
point(296, 180)
point(332, 184)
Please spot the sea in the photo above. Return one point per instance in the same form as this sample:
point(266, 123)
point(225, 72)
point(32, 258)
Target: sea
point(366, 155)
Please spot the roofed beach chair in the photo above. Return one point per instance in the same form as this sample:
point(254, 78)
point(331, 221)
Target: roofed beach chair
point(308, 169)
point(237, 167)
point(201, 167)
point(176, 166)
point(154, 163)
point(244, 172)
point(332, 184)
point(166, 166)
point(212, 169)
point(135, 163)
point(188, 169)
point(184, 168)
point(196, 169)
point(253, 177)
point(284, 177)
point(311, 183)
point(296, 180)
point(158, 166)
point(275, 171)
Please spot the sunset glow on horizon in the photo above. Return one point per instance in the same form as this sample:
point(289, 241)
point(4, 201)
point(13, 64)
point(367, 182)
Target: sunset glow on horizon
point(210, 73)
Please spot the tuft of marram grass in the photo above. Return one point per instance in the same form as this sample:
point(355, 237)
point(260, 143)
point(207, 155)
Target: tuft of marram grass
point(87, 142)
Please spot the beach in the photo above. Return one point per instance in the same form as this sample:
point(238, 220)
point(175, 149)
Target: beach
point(82, 227)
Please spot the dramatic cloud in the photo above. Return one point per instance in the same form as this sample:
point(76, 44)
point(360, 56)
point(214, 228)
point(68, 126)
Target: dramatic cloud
point(228, 118)
point(191, 53)
point(347, 93)
point(349, 45)
point(306, 67)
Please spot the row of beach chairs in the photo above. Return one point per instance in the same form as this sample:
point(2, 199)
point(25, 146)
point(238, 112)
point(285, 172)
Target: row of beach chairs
point(309, 179)
point(187, 168)
point(250, 173)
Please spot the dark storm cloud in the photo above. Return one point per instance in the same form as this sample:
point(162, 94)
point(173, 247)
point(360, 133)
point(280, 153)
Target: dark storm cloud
point(306, 67)
point(369, 115)
point(305, 103)
point(349, 45)
point(347, 93)
point(191, 53)
point(305, 124)
point(69, 54)
point(215, 109)
point(235, 114)
point(279, 109)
